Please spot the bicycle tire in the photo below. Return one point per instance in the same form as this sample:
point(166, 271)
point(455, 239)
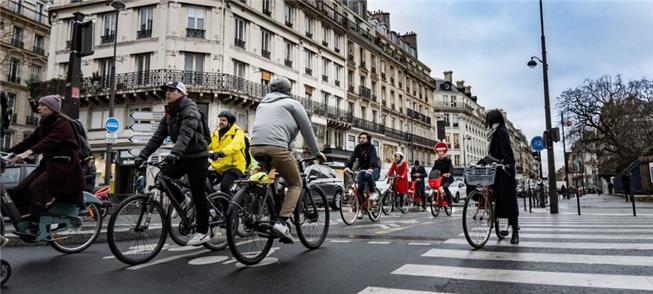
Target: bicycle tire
point(115, 232)
point(243, 212)
point(375, 212)
point(308, 215)
point(349, 207)
point(72, 236)
point(477, 236)
point(435, 208)
point(217, 221)
point(5, 271)
point(448, 210)
point(386, 204)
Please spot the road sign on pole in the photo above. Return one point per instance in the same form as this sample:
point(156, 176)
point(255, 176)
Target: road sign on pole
point(112, 124)
point(146, 115)
point(537, 143)
point(144, 127)
point(140, 139)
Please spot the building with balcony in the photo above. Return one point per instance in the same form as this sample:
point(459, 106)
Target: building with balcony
point(463, 118)
point(226, 52)
point(24, 37)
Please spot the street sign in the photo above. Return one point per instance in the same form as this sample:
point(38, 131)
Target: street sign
point(111, 138)
point(140, 139)
point(112, 124)
point(135, 151)
point(441, 147)
point(144, 128)
point(146, 115)
point(537, 143)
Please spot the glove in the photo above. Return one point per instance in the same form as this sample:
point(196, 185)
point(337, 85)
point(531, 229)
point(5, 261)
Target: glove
point(321, 157)
point(171, 158)
point(139, 161)
point(216, 155)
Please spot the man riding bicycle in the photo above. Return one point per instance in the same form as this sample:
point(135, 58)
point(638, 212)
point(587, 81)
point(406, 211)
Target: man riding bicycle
point(182, 122)
point(227, 149)
point(444, 165)
point(368, 161)
point(279, 118)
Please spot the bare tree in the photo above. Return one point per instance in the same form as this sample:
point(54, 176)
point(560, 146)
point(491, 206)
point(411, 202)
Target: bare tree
point(612, 119)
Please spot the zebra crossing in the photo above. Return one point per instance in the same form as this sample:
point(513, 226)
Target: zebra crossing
point(595, 254)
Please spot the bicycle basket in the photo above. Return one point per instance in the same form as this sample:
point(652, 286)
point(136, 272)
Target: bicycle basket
point(480, 175)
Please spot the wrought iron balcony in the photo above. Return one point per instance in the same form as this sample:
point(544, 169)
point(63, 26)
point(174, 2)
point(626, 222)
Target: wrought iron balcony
point(144, 34)
point(351, 89)
point(365, 92)
point(195, 33)
point(325, 43)
point(289, 24)
point(239, 43)
point(337, 83)
point(267, 11)
point(308, 71)
point(350, 57)
point(309, 34)
point(287, 62)
point(337, 50)
point(325, 78)
point(13, 79)
point(17, 43)
point(265, 53)
point(38, 50)
point(383, 75)
point(107, 39)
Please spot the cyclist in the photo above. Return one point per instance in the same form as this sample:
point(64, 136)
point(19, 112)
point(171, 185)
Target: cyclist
point(419, 174)
point(227, 149)
point(59, 173)
point(444, 165)
point(279, 118)
point(400, 169)
point(189, 154)
point(368, 162)
point(504, 183)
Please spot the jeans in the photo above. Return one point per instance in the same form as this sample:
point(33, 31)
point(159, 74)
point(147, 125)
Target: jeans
point(197, 170)
point(365, 180)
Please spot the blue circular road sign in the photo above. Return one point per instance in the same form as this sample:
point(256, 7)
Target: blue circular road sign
point(112, 124)
point(537, 143)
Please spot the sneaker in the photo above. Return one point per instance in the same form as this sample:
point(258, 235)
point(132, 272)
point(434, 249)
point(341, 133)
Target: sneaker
point(282, 230)
point(360, 214)
point(198, 239)
point(184, 206)
point(374, 196)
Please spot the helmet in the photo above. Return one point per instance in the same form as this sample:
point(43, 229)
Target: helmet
point(280, 85)
point(399, 153)
point(230, 115)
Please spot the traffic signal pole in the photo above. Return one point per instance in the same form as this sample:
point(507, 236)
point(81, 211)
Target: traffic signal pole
point(70, 105)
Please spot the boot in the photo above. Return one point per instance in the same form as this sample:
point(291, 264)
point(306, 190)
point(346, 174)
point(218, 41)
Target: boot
point(515, 235)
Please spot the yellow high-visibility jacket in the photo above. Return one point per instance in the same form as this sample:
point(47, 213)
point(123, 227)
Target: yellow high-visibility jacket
point(232, 144)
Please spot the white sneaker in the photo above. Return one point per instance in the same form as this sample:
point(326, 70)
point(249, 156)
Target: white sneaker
point(283, 231)
point(359, 215)
point(198, 239)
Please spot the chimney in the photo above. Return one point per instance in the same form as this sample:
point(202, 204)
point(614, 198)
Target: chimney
point(468, 90)
point(447, 76)
point(460, 85)
point(382, 17)
point(411, 39)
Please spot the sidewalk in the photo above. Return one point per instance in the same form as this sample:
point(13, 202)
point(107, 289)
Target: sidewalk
point(604, 204)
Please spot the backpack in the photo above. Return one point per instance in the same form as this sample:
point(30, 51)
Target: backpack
point(206, 131)
point(82, 139)
point(248, 155)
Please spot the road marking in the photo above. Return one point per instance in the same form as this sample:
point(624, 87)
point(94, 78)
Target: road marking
point(578, 236)
point(542, 257)
point(556, 225)
point(584, 230)
point(379, 290)
point(379, 242)
point(339, 241)
point(419, 244)
point(529, 277)
point(207, 260)
point(564, 245)
point(264, 262)
point(171, 258)
point(230, 261)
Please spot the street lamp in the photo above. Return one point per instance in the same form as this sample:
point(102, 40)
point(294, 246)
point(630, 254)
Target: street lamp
point(466, 137)
point(553, 197)
point(117, 6)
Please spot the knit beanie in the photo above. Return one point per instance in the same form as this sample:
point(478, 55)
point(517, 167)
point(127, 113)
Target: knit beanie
point(52, 101)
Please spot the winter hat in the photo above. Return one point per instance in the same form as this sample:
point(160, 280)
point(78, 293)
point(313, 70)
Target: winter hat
point(52, 101)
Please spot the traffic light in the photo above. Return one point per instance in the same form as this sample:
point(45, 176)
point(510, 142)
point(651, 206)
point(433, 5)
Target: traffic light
point(547, 139)
point(555, 134)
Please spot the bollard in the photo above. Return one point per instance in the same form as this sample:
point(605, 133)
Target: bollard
point(633, 201)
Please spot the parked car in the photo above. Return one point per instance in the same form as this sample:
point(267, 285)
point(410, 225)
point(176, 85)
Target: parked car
point(328, 181)
point(13, 174)
point(458, 190)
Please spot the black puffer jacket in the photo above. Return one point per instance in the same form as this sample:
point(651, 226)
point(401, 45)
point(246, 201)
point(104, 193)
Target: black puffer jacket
point(184, 127)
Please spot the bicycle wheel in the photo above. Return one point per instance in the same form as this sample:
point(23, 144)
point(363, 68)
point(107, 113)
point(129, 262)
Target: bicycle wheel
point(218, 204)
point(448, 209)
point(5, 271)
point(180, 232)
point(477, 219)
point(374, 208)
point(403, 203)
point(248, 242)
point(85, 230)
point(312, 219)
point(435, 208)
point(501, 224)
point(386, 202)
point(137, 230)
point(349, 207)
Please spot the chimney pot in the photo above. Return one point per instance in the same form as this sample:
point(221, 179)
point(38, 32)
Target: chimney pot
point(447, 76)
point(460, 84)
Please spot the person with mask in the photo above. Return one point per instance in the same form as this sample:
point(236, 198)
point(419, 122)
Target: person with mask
point(505, 184)
point(399, 169)
point(419, 174)
point(59, 174)
point(227, 150)
point(189, 155)
point(368, 161)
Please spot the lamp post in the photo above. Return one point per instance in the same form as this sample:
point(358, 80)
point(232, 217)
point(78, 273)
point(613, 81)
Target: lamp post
point(553, 197)
point(465, 138)
point(117, 6)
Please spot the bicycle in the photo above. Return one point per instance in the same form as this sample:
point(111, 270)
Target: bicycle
point(389, 197)
point(352, 207)
point(436, 198)
point(139, 226)
point(255, 208)
point(478, 212)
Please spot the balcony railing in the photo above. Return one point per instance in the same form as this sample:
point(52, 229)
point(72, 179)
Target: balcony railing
point(107, 39)
point(325, 43)
point(287, 62)
point(308, 71)
point(17, 43)
point(325, 78)
point(309, 34)
point(239, 43)
point(267, 12)
point(13, 79)
point(144, 34)
point(38, 50)
point(17, 7)
point(441, 105)
point(365, 92)
point(337, 83)
point(195, 33)
point(265, 53)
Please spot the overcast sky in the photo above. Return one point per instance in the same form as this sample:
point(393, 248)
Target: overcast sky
point(487, 44)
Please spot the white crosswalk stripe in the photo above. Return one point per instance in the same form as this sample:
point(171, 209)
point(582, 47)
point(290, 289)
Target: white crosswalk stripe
point(559, 253)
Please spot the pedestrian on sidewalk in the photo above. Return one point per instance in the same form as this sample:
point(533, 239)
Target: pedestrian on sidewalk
point(563, 190)
point(610, 187)
point(625, 182)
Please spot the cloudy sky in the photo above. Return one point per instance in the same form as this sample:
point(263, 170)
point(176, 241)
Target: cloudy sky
point(487, 44)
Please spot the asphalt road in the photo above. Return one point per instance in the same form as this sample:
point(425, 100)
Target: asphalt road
point(606, 250)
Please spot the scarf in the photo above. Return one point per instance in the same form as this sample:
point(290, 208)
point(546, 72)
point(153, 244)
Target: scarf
point(171, 108)
point(491, 132)
point(223, 131)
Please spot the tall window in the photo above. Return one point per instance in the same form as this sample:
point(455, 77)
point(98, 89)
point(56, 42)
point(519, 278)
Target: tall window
point(104, 66)
point(325, 69)
point(309, 62)
point(266, 43)
point(241, 31)
point(338, 76)
point(143, 68)
point(325, 97)
point(145, 17)
point(362, 56)
point(455, 118)
point(240, 69)
point(288, 54)
point(265, 77)
point(373, 62)
point(336, 42)
point(326, 35)
point(289, 15)
point(194, 67)
point(39, 44)
point(267, 7)
point(39, 12)
point(309, 26)
point(456, 141)
point(350, 51)
point(35, 72)
point(445, 100)
point(195, 21)
point(110, 25)
point(454, 101)
point(14, 70)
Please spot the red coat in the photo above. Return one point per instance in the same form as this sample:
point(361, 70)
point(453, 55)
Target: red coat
point(401, 181)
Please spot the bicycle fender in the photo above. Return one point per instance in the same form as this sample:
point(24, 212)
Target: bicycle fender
point(90, 198)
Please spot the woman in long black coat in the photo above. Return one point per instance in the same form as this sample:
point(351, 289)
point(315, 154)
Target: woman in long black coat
point(505, 184)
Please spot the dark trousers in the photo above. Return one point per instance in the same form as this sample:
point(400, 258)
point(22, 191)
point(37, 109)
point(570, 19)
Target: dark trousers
point(32, 194)
point(227, 179)
point(197, 170)
point(420, 193)
point(365, 180)
point(445, 185)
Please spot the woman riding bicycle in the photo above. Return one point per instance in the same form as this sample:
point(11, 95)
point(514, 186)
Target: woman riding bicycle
point(504, 183)
point(400, 169)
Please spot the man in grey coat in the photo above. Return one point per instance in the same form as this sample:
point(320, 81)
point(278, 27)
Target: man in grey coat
point(279, 118)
